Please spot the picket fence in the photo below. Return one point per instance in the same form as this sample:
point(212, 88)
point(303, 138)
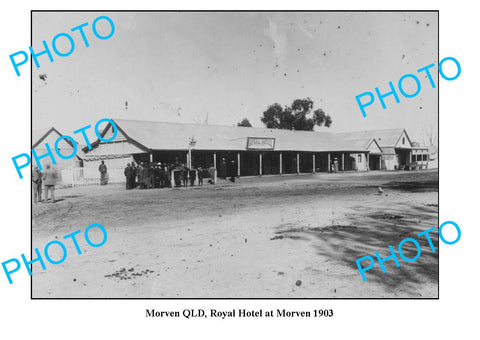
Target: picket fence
point(74, 177)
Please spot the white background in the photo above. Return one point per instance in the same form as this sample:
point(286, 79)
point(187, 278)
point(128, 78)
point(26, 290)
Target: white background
point(453, 315)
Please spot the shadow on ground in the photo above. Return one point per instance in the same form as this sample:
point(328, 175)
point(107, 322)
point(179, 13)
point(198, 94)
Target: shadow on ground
point(365, 232)
point(423, 186)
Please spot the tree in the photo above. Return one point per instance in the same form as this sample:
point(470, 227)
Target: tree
point(295, 117)
point(321, 118)
point(245, 123)
point(431, 135)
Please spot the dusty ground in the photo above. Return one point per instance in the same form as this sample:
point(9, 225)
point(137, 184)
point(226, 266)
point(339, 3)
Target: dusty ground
point(270, 237)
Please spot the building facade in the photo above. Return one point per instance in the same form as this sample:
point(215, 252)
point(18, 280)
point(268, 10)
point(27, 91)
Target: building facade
point(397, 151)
point(254, 151)
point(65, 147)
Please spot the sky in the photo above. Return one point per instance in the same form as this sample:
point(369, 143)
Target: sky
point(218, 68)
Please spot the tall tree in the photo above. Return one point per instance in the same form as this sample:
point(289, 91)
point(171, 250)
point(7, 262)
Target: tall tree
point(245, 122)
point(321, 118)
point(272, 116)
point(432, 135)
point(298, 116)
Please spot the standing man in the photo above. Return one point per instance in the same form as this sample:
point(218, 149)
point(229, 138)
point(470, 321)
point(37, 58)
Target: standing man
point(37, 185)
point(211, 172)
point(147, 170)
point(168, 175)
point(49, 178)
point(193, 177)
point(200, 175)
point(162, 175)
point(133, 176)
point(141, 175)
point(144, 174)
point(151, 176)
point(103, 173)
point(223, 169)
point(178, 175)
point(231, 170)
point(156, 175)
point(128, 175)
point(184, 170)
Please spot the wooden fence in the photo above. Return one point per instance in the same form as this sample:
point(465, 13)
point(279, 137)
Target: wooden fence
point(74, 177)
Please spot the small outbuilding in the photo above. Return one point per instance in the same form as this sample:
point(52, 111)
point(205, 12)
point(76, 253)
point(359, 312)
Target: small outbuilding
point(397, 151)
point(41, 137)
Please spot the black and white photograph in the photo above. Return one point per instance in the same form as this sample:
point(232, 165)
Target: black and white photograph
point(235, 154)
point(225, 170)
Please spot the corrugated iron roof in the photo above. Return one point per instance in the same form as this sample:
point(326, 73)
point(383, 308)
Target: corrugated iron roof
point(384, 138)
point(176, 136)
point(39, 135)
point(361, 143)
point(388, 150)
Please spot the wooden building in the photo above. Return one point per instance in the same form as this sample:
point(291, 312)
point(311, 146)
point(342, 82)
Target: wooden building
point(50, 135)
point(397, 151)
point(255, 151)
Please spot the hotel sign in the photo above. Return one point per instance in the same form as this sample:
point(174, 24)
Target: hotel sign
point(260, 144)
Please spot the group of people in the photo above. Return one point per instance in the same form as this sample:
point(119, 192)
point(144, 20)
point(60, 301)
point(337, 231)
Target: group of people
point(157, 175)
point(43, 181)
point(142, 175)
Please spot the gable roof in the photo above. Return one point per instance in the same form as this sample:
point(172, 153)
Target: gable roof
point(149, 135)
point(384, 138)
point(373, 147)
point(39, 135)
point(364, 143)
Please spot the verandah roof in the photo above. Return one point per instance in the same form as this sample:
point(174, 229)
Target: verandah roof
point(175, 136)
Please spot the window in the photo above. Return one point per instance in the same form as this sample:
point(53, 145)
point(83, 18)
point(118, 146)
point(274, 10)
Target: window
point(425, 157)
point(359, 158)
point(414, 158)
point(403, 140)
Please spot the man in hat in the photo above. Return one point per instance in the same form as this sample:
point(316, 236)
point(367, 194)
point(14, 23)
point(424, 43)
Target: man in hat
point(211, 172)
point(141, 175)
point(162, 175)
point(231, 170)
point(133, 176)
point(37, 185)
point(200, 175)
point(147, 171)
point(49, 179)
point(193, 176)
point(103, 173)
point(128, 176)
point(223, 169)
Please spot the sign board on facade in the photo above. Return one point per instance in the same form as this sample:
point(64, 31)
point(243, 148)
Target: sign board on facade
point(260, 144)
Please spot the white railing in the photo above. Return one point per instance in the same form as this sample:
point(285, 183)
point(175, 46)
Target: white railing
point(90, 176)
